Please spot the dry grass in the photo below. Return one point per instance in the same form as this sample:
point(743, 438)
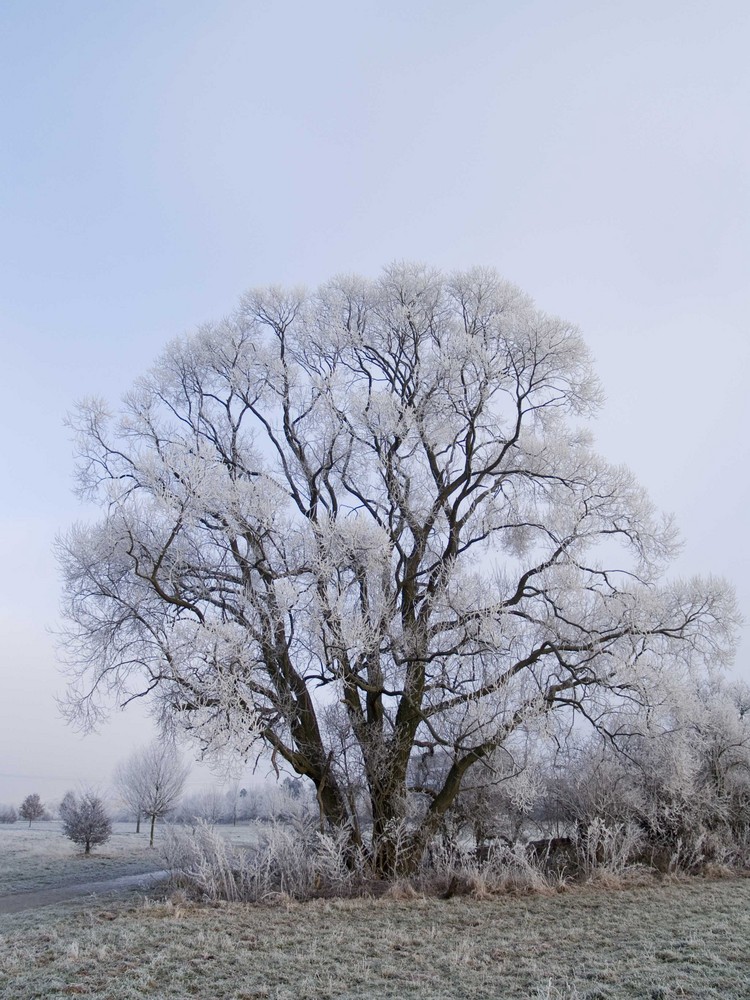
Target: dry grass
point(688, 939)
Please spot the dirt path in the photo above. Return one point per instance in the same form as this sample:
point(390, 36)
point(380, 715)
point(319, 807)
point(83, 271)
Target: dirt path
point(18, 901)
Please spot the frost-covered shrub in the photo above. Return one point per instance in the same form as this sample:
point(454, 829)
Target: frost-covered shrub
point(499, 868)
point(674, 795)
point(300, 862)
point(611, 848)
point(8, 814)
point(303, 863)
point(85, 820)
point(202, 860)
point(694, 783)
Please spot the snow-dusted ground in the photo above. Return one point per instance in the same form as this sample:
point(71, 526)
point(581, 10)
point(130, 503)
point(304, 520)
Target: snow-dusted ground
point(16, 902)
point(43, 858)
point(685, 938)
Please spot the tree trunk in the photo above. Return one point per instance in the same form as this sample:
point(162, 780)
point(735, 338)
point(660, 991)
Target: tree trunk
point(443, 801)
point(87, 848)
point(138, 823)
point(392, 842)
point(393, 845)
point(153, 823)
point(397, 850)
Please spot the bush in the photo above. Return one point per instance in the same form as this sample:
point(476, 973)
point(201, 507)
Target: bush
point(298, 862)
point(85, 820)
point(498, 868)
point(8, 814)
point(303, 863)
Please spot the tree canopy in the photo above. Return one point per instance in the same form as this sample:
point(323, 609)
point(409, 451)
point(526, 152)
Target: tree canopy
point(364, 525)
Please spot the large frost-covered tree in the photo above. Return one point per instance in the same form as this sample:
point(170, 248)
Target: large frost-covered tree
point(362, 525)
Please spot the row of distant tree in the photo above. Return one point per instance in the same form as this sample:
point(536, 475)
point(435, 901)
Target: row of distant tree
point(84, 817)
point(674, 797)
point(150, 786)
point(149, 783)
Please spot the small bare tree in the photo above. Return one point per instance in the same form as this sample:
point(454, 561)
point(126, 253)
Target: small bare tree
point(31, 808)
point(209, 806)
point(85, 820)
point(127, 782)
point(234, 798)
point(152, 780)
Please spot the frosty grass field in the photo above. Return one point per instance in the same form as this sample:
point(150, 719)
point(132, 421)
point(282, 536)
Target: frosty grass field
point(662, 939)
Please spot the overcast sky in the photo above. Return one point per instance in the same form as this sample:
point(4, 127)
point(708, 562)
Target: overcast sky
point(157, 159)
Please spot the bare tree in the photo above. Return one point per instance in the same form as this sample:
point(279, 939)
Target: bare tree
point(67, 805)
point(85, 820)
point(31, 808)
point(234, 798)
point(208, 806)
point(377, 498)
point(128, 782)
point(152, 781)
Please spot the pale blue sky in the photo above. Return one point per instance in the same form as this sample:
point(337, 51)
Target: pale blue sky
point(158, 158)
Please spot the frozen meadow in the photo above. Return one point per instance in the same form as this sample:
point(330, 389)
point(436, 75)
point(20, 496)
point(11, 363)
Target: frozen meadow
point(687, 938)
point(40, 857)
point(620, 938)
